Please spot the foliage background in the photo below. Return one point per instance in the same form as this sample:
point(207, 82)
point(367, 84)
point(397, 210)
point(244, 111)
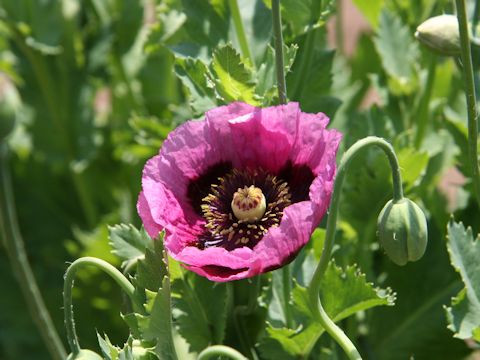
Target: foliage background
point(99, 85)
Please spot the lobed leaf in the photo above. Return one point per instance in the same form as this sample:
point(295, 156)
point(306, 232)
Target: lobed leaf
point(343, 293)
point(128, 242)
point(232, 78)
point(398, 52)
point(464, 313)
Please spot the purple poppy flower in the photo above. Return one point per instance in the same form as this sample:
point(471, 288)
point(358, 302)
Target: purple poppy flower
point(240, 192)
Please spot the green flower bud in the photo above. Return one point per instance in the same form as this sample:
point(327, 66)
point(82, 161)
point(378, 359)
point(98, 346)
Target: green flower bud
point(139, 352)
point(9, 102)
point(85, 355)
point(440, 33)
point(402, 231)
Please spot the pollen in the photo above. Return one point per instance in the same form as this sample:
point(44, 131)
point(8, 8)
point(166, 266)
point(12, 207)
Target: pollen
point(248, 203)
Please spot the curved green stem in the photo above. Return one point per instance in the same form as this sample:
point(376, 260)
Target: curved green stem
point(278, 41)
point(240, 31)
point(220, 350)
point(15, 247)
point(470, 94)
point(67, 293)
point(314, 287)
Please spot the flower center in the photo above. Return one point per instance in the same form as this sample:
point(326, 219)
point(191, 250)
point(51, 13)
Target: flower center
point(241, 207)
point(249, 204)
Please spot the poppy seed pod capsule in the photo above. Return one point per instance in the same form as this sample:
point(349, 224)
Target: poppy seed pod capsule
point(402, 231)
point(440, 33)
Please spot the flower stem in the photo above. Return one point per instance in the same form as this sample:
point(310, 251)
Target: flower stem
point(240, 31)
point(314, 287)
point(15, 247)
point(278, 40)
point(220, 350)
point(67, 293)
point(286, 279)
point(241, 311)
point(470, 94)
point(422, 112)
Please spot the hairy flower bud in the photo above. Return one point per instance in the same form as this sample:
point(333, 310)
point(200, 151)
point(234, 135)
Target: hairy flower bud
point(440, 33)
point(85, 355)
point(402, 231)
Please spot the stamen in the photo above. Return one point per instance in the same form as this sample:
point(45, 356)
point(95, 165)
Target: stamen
point(242, 207)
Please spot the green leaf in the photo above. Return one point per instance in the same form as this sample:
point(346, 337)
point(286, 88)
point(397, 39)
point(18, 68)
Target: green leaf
point(288, 344)
point(417, 325)
point(193, 75)
point(413, 164)
point(206, 26)
point(464, 313)
point(399, 53)
point(298, 13)
point(343, 293)
point(152, 269)
point(200, 310)
point(128, 242)
point(371, 10)
point(266, 74)
point(109, 351)
point(154, 324)
point(232, 78)
point(314, 94)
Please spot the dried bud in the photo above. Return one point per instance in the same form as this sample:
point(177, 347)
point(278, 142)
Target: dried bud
point(85, 355)
point(402, 231)
point(440, 33)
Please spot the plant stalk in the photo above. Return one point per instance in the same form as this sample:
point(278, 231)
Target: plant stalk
point(314, 287)
point(286, 279)
point(470, 94)
point(422, 111)
point(278, 42)
point(220, 350)
point(15, 247)
point(115, 274)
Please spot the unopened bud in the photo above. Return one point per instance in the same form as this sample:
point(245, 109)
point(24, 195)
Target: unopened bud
point(440, 33)
point(402, 231)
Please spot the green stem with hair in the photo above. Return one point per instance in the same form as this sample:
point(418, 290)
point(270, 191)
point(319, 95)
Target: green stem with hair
point(470, 94)
point(115, 274)
point(14, 244)
point(278, 42)
point(314, 288)
point(220, 350)
point(287, 288)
